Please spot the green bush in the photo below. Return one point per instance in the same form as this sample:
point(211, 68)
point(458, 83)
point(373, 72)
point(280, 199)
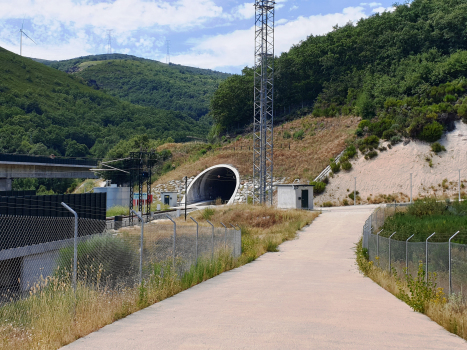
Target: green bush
point(365, 106)
point(118, 210)
point(350, 152)
point(319, 187)
point(388, 134)
point(395, 140)
point(351, 195)
point(286, 135)
point(432, 132)
point(346, 165)
point(335, 167)
point(359, 132)
point(299, 135)
point(371, 155)
point(364, 123)
point(437, 147)
point(208, 213)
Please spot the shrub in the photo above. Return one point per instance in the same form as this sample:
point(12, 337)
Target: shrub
point(382, 149)
point(437, 147)
point(395, 140)
point(365, 106)
point(371, 155)
point(299, 135)
point(327, 204)
point(372, 140)
point(363, 124)
point(351, 151)
point(388, 134)
point(346, 165)
point(345, 202)
point(359, 132)
point(208, 213)
point(286, 135)
point(335, 167)
point(351, 195)
point(450, 98)
point(319, 187)
point(432, 132)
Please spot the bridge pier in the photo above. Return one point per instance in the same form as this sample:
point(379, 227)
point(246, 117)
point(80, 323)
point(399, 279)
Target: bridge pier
point(5, 184)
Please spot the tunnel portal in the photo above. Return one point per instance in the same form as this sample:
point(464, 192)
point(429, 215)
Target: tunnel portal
point(220, 181)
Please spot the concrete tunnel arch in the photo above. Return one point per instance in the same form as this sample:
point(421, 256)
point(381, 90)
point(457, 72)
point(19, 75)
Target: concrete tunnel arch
point(221, 180)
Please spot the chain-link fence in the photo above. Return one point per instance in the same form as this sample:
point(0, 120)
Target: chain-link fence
point(448, 260)
point(38, 251)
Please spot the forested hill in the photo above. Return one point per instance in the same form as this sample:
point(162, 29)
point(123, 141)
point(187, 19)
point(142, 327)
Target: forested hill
point(404, 70)
point(44, 111)
point(147, 82)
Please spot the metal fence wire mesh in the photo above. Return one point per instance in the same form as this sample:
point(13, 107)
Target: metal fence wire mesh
point(406, 256)
point(38, 251)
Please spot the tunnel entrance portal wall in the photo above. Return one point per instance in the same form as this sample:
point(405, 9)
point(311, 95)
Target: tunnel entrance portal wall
point(219, 181)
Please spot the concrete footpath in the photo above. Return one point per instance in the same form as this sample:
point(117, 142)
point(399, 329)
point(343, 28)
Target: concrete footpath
point(307, 296)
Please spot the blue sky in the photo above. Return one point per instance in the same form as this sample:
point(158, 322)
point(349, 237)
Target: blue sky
point(215, 34)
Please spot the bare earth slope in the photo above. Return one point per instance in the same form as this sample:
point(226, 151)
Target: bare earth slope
point(387, 177)
point(308, 296)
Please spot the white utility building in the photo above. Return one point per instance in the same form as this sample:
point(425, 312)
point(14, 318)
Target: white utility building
point(169, 198)
point(295, 196)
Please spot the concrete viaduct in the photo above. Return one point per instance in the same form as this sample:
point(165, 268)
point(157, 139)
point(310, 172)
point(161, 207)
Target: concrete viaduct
point(13, 166)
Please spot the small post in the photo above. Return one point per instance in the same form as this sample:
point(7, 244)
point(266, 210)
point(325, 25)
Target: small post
point(174, 239)
point(75, 245)
point(411, 198)
point(141, 246)
point(186, 192)
point(450, 278)
point(426, 257)
point(377, 243)
point(225, 235)
point(355, 192)
point(407, 254)
point(459, 185)
point(390, 251)
point(196, 222)
point(212, 246)
point(234, 239)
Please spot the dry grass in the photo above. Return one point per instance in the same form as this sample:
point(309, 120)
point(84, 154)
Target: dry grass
point(51, 316)
point(449, 312)
point(323, 138)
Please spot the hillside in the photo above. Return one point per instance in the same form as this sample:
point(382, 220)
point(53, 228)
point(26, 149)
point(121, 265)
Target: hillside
point(147, 82)
point(315, 141)
point(386, 178)
point(44, 111)
point(405, 71)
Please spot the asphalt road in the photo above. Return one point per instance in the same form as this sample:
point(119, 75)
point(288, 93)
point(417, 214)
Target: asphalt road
point(309, 295)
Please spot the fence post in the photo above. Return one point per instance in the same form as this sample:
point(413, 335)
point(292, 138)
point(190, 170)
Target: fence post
point(75, 245)
point(225, 235)
point(390, 251)
point(233, 239)
point(377, 243)
point(407, 255)
point(140, 217)
point(212, 246)
point(450, 280)
point(196, 222)
point(174, 239)
point(426, 257)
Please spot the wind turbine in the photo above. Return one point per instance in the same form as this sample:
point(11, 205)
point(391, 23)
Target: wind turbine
point(21, 39)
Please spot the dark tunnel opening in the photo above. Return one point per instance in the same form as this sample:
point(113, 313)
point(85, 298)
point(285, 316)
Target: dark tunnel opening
point(220, 182)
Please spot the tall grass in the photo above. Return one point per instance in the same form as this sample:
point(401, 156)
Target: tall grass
point(448, 311)
point(427, 216)
point(51, 316)
point(118, 210)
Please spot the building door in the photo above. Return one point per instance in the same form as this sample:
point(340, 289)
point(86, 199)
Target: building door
point(167, 200)
point(305, 199)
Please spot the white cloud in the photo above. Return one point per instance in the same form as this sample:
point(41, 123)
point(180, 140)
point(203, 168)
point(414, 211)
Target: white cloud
point(246, 10)
point(371, 4)
point(122, 15)
point(236, 49)
point(294, 7)
point(384, 9)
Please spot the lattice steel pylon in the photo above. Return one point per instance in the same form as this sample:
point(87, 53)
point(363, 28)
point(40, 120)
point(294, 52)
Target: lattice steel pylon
point(264, 102)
